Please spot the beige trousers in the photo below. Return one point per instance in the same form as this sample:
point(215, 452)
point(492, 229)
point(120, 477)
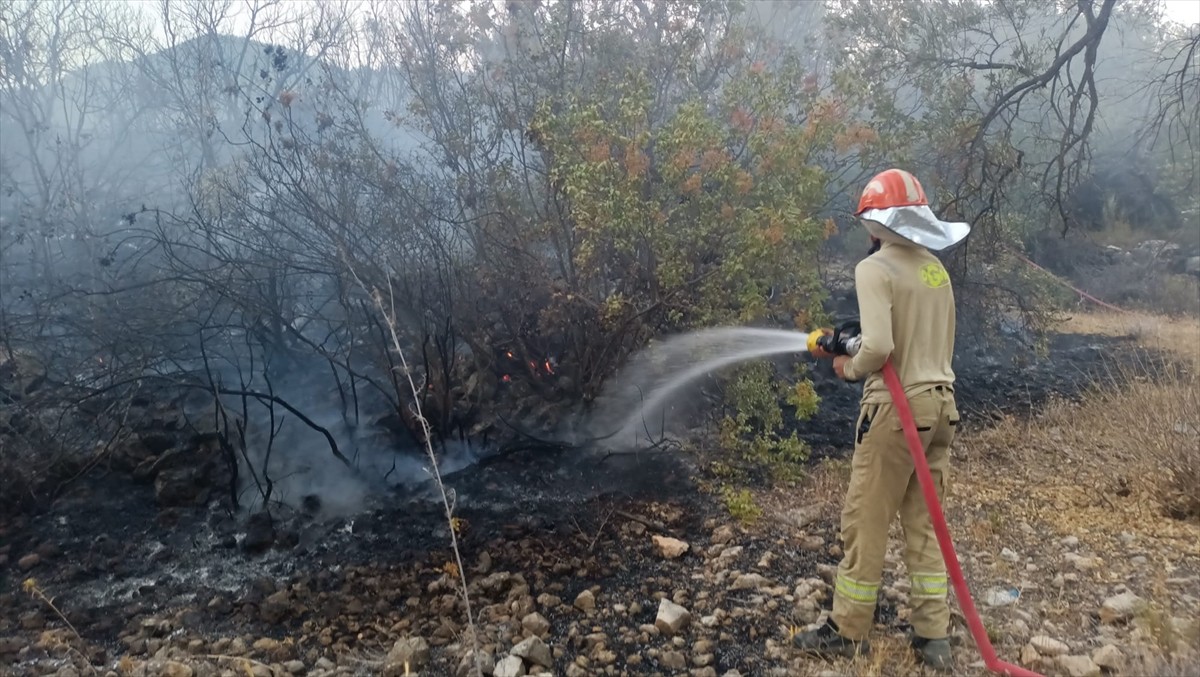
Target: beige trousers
point(883, 482)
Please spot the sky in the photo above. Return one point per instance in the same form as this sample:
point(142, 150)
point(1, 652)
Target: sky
point(1183, 11)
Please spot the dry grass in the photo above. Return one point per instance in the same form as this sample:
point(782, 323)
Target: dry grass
point(1122, 463)
point(1138, 430)
point(1178, 336)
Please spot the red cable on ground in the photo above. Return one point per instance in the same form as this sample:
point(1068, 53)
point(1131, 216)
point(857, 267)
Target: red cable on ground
point(904, 411)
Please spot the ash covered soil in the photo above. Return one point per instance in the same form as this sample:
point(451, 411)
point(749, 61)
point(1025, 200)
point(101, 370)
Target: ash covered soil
point(563, 550)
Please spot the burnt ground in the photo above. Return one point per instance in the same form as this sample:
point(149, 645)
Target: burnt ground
point(539, 528)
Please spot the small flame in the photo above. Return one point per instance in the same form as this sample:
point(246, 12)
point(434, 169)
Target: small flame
point(549, 369)
point(506, 378)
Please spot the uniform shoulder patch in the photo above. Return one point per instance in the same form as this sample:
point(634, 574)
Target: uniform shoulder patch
point(934, 275)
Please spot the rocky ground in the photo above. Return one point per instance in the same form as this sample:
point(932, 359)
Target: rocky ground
point(586, 565)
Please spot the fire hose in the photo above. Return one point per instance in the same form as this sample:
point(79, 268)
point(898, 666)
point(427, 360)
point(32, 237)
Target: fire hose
point(846, 340)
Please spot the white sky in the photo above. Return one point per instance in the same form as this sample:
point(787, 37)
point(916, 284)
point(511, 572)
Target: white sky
point(1183, 11)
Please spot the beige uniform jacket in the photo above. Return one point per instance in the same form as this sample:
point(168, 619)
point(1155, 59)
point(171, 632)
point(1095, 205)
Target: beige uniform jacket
point(906, 307)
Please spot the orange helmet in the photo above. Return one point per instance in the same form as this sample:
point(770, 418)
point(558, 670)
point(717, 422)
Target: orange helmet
point(892, 188)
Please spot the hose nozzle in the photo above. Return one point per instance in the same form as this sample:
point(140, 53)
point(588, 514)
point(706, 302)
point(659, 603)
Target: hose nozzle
point(845, 340)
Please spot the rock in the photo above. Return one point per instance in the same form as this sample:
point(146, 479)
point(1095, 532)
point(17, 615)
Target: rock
point(1120, 607)
point(29, 561)
point(536, 624)
point(723, 535)
point(1109, 657)
point(672, 660)
point(294, 667)
point(1009, 555)
point(410, 651)
point(1069, 542)
point(176, 669)
point(670, 548)
point(1048, 646)
point(1030, 656)
point(1082, 563)
point(1192, 266)
point(750, 582)
point(802, 517)
point(466, 667)
point(275, 608)
point(807, 611)
point(11, 645)
point(509, 666)
point(671, 618)
point(1079, 666)
point(585, 601)
point(189, 484)
point(260, 533)
point(812, 544)
point(535, 651)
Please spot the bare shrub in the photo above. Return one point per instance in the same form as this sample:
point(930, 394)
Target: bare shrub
point(1155, 409)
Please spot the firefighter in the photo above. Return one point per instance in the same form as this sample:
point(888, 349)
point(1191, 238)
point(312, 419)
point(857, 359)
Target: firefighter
point(906, 308)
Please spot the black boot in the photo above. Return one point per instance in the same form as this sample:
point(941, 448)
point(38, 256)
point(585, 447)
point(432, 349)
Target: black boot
point(825, 641)
point(934, 653)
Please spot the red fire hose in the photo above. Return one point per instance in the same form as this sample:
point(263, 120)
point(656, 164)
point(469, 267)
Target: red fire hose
point(904, 411)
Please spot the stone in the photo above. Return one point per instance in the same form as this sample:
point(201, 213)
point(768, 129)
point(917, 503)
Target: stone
point(750, 582)
point(672, 618)
point(1030, 656)
point(1082, 563)
point(535, 651)
point(807, 611)
point(585, 601)
point(1069, 542)
point(184, 485)
point(670, 548)
point(509, 666)
point(723, 535)
point(29, 561)
point(260, 533)
point(1048, 646)
point(294, 667)
point(812, 544)
point(536, 624)
point(1009, 555)
point(1120, 607)
point(802, 517)
point(275, 607)
point(1109, 657)
point(1079, 666)
point(413, 651)
point(466, 667)
point(672, 660)
point(176, 669)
